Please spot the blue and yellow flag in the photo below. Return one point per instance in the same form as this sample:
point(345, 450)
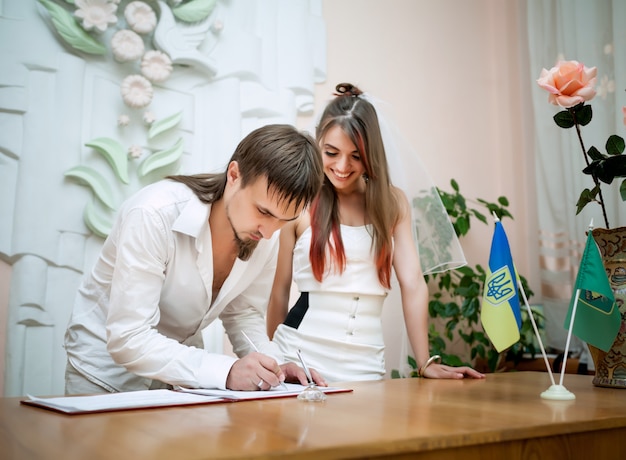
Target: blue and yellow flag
point(500, 311)
point(598, 319)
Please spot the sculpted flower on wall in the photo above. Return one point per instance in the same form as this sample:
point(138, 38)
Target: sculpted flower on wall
point(140, 17)
point(96, 14)
point(156, 66)
point(135, 151)
point(127, 45)
point(137, 91)
point(84, 26)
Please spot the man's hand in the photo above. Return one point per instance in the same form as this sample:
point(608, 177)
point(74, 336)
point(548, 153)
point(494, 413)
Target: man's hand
point(254, 372)
point(295, 374)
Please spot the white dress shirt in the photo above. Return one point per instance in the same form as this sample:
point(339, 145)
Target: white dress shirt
point(138, 316)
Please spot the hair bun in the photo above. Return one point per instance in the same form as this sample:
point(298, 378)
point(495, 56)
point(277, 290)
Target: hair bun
point(347, 89)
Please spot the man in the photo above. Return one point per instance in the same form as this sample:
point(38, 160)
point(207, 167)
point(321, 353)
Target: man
point(183, 252)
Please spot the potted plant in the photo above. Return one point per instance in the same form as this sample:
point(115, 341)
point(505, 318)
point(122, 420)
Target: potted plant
point(570, 85)
point(456, 296)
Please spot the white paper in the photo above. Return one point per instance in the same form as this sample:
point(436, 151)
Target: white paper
point(291, 390)
point(124, 400)
point(162, 398)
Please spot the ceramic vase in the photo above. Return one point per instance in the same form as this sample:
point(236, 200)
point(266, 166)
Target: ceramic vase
point(611, 366)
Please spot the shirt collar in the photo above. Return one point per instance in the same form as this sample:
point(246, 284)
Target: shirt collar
point(193, 217)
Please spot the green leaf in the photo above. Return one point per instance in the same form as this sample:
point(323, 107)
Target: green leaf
point(165, 124)
point(586, 197)
point(70, 31)
point(504, 201)
point(615, 145)
point(114, 153)
point(462, 225)
point(455, 185)
point(564, 119)
point(480, 216)
point(96, 221)
point(584, 114)
point(194, 10)
point(622, 190)
point(595, 154)
point(607, 169)
point(98, 184)
point(161, 159)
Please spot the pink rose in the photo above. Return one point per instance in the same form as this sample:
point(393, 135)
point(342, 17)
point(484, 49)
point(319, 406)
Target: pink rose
point(569, 83)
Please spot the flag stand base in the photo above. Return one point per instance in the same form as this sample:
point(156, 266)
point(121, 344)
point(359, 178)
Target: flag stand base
point(558, 392)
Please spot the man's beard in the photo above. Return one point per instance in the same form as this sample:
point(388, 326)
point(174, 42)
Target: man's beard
point(246, 248)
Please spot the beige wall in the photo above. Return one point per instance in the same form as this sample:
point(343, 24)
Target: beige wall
point(451, 70)
point(454, 73)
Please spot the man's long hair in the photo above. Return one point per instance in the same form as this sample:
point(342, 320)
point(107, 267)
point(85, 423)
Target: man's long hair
point(288, 158)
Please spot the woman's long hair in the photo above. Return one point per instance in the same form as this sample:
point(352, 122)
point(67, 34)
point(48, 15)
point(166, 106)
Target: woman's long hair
point(357, 118)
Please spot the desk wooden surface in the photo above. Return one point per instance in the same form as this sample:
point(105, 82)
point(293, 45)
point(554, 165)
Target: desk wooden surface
point(501, 417)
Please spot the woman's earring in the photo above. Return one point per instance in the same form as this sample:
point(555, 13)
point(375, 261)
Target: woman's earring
point(366, 178)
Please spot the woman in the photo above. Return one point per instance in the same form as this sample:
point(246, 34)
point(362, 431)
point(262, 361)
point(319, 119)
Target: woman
point(341, 253)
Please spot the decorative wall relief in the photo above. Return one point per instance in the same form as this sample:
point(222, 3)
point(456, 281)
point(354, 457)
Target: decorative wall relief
point(136, 30)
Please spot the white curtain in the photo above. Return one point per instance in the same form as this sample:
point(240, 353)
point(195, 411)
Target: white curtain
point(591, 32)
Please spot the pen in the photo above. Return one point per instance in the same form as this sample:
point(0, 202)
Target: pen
point(254, 347)
point(306, 369)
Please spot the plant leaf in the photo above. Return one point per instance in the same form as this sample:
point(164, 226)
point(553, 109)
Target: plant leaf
point(608, 168)
point(70, 31)
point(98, 184)
point(615, 145)
point(584, 114)
point(114, 153)
point(622, 190)
point(163, 125)
point(160, 159)
point(194, 10)
point(586, 197)
point(96, 221)
point(595, 154)
point(564, 119)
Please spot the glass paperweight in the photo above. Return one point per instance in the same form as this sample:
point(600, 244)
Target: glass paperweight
point(312, 393)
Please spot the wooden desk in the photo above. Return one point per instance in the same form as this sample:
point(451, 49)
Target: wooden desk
point(501, 417)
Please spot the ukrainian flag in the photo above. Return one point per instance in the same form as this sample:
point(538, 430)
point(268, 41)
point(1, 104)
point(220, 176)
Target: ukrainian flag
point(500, 310)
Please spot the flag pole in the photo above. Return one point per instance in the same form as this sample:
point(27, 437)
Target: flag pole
point(532, 320)
point(559, 391)
point(569, 334)
point(571, 325)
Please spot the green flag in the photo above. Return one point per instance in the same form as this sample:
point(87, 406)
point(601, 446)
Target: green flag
point(598, 319)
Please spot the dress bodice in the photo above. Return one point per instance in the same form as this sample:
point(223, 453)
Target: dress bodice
point(360, 273)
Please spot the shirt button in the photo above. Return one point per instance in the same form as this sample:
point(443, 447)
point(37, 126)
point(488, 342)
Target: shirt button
point(356, 298)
